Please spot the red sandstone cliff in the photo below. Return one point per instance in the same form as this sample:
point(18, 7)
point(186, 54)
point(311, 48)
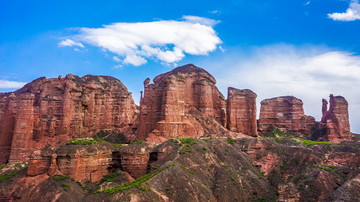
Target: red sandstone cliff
point(167, 105)
point(241, 111)
point(336, 120)
point(285, 113)
point(49, 111)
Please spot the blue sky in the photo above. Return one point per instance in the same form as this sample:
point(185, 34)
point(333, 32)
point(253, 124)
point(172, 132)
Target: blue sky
point(305, 48)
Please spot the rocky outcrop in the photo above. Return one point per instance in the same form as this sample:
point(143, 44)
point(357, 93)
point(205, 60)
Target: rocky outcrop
point(90, 162)
point(166, 105)
point(204, 169)
point(285, 113)
point(51, 111)
point(241, 111)
point(336, 120)
point(80, 162)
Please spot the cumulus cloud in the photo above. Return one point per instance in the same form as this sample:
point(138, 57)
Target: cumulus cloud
point(351, 14)
point(69, 42)
point(11, 84)
point(166, 40)
point(309, 73)
point(200, 20)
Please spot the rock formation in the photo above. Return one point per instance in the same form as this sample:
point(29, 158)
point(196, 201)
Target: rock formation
point(90, 162)
point(241, 111)
point(76, 161)
point(166, 105)
point(336, 120)
point(49, 111)
point(285, 113)
point(204, 169)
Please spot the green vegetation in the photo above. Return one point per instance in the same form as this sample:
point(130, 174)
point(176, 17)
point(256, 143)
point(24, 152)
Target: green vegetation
point(231, 141)
point(84, 141)
point(58, 178)
point(10, 175)
point(280, 135)
point(113, 177)
point(66, 186)
point(136, 183)
point(188, 170)
point(137, 142)
point(168, 190)
point(204, 148)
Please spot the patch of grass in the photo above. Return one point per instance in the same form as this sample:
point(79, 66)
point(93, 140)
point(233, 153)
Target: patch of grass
point(231, 141)
point(84, 141)
point(112, 177)
point(65, 186)
point(59, 178)
point(188, 170)
point(137, 142)
point(10, 175)
point(168, 190)
point(136, 183)
point(282, 135)
point(204, 148)
point(310, 142)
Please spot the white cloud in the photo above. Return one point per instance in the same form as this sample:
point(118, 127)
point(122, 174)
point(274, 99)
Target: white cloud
point(134, 60)
point(116, 59)
point(69, 42)
point(11, 84)
point(214, 12)
point(166, 40)
point(309, 73)
point(307, 3)
point(200, 20)
point(351, 14)
point(117, 66)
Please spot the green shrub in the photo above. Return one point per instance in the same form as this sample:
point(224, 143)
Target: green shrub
point(10, 175)
point(112, 177)
point(188, 170)
point(84, 141)
point(136, 183)
point(58, 178)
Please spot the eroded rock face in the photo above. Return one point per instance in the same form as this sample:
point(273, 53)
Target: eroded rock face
point(336, 120)
point(51, 111)
point(165, 105)
point(76, 161)
point(90, 162)
point(285, 113)
point(241, 111)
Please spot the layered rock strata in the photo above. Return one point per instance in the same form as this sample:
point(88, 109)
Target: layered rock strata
point(90, 162)
point(50, 111)
point(241, 111)
point(76, 161)
point(165, 106)
point(285, 113)
point(336, 120)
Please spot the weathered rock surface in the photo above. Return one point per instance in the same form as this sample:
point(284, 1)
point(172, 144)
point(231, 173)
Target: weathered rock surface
point(51, 111)
point(285, 113)
point(336, 120)
point(241, 111)
point(165, 105)
point(206, 169)
point(90, 162)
